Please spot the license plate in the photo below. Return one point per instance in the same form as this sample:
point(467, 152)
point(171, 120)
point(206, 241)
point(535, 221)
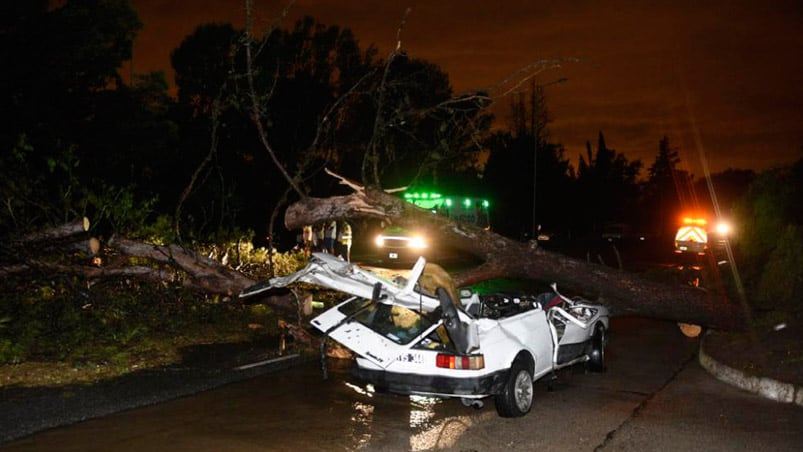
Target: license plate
point(393, 255)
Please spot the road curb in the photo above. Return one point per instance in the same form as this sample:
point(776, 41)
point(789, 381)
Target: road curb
point(763, 386)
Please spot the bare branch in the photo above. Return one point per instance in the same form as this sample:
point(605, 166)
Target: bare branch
point(255, 113)
point(213, 144)
point(208, 274)
point(525, 73)
point(371, 159)
point(344, 181)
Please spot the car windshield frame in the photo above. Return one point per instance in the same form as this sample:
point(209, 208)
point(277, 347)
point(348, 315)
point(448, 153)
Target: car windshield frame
point(395, 322)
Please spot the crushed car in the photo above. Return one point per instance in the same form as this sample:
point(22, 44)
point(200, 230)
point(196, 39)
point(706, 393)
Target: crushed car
point(421, 336)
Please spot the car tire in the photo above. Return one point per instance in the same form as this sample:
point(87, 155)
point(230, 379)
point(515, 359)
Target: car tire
point(516, 397)
point(596, 351)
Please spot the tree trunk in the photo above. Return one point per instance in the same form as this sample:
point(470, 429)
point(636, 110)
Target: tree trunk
point(624, 293)
point(59, 232)
point(205, 273)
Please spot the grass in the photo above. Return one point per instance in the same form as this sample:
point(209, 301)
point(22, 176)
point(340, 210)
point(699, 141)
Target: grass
point(152, 351)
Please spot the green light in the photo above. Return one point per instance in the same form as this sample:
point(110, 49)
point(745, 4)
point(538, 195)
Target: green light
point(448, 202)
point(407, 196)
point(467, 202)
point(485, 203)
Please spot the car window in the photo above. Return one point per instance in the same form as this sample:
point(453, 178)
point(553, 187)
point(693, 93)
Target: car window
point(397, 323)
point(438, 339)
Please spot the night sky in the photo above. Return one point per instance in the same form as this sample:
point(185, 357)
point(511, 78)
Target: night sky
point(719, 77)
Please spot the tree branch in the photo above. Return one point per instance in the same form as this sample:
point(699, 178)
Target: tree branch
point(624, 293)
point(256, 117)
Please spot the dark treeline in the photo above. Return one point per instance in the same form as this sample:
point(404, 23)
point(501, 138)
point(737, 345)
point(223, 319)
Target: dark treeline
point(80, 139)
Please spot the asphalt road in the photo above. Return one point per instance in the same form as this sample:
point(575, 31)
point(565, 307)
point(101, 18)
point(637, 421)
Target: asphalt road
point(654, 397)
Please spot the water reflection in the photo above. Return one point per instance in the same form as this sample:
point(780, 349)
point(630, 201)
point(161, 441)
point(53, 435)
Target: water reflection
point(422, 410)
point(374, 421)
point(368, 390)
point(362, 420)
point(443, 433)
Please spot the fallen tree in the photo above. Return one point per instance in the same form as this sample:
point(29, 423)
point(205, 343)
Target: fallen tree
point(623, 292)
point(69, 252)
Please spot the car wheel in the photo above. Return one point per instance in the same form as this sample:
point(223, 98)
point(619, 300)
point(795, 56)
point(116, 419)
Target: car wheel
point(516, 398)
point(596, 352)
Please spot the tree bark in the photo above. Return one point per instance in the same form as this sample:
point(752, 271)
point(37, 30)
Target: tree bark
point(59, 232)
point(206, 274)
point(624, 293)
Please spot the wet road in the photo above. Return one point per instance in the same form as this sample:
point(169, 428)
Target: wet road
point(654, 397)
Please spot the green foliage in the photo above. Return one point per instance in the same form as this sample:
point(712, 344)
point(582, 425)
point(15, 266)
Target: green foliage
point(80, 138)
point(36, 197)
point(63, 53)
point(771, 238)
point(59, 321)
point(780, 283)
point(289, 262)
point(118, 207)
point(241, 255)
point(63, 319)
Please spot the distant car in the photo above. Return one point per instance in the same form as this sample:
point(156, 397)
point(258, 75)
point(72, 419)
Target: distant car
point(395, 243)
point(412, 340)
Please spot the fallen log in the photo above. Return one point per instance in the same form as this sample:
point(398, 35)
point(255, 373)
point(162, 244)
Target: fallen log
point(58, 232)
point(624, 293)
point(206, 274)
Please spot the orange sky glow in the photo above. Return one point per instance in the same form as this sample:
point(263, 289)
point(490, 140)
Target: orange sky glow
point(721, 78)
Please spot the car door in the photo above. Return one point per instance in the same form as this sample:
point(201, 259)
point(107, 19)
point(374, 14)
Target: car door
point(340, 324)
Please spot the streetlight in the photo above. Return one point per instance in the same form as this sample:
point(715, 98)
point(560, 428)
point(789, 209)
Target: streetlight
point(536, 90)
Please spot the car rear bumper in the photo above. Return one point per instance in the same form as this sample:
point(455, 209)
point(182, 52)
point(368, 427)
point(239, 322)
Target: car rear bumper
point(432, 384)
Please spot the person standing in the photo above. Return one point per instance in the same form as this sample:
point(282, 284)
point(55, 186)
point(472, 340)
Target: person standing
point(319, 242)
point(346, 240)
point(309, 239)
point(329, 236)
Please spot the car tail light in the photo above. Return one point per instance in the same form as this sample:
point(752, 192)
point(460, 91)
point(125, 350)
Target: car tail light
point(473, 362)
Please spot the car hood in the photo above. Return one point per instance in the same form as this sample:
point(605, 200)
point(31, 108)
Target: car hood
point(330, 272)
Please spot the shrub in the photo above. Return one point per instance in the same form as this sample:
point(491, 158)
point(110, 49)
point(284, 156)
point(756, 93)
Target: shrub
point(771, 239)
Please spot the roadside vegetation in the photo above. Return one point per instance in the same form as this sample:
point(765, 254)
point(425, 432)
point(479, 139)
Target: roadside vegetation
point(60, 329)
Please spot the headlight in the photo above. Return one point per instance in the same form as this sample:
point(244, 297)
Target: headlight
point(417, 242)
point(379, 241)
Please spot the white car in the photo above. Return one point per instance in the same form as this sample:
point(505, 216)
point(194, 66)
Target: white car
point(408, 340)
